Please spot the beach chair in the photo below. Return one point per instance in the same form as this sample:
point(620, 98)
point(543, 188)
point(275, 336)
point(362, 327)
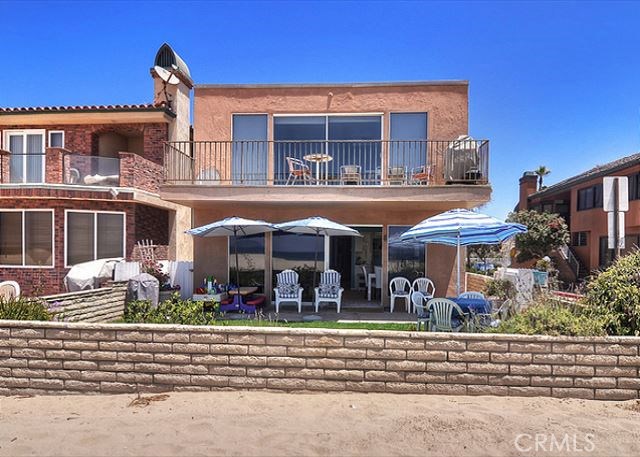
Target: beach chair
point(400, 288)
point(9, 290)
point(288, 290)
point(329, 290)
point(445, 316)
point(419, 306)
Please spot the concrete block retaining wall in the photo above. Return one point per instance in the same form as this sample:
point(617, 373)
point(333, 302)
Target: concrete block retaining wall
point(96, 305)
point(56, 357)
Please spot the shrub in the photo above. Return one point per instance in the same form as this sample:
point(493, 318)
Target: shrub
point(615, 295)
point(501, 288)
point(173, 311)
point(545, 232)
point(23, 309)
point(550, 317)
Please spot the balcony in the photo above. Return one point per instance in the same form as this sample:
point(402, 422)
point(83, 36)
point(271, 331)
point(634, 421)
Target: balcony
point(90, 170)
point(327, 163)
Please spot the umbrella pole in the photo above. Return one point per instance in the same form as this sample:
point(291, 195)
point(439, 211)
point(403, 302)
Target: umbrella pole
point(458, 275)
point(235, 244)
point(315, 261)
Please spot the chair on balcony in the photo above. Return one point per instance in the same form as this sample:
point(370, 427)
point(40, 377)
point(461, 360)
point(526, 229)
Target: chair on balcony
point(329, 289)
point(298, 170)
point(288, 289)
point(422, 175)
point(350, 174)
point(396, 175)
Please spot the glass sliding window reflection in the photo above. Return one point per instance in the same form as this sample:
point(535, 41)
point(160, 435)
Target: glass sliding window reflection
point(408, 148)
point(91, 236)
point(296, 137)
point(405, 260)
point(251, 258)
point(250, 149)
point(347, 151)
point(296, 252)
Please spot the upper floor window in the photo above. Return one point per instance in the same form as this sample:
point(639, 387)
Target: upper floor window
point(26, 238)
point(634, 187)
point(590, 197)
point(93, 235)
point(56, 139)
point(27, 160)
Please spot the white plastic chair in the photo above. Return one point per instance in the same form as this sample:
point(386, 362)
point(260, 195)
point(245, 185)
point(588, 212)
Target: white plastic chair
point(9, 290)
point(419, 306)
point(400, 288)
point(329, 290)
point(472, 294)
point(288, 289)
point(441, 315)
point(424, 285)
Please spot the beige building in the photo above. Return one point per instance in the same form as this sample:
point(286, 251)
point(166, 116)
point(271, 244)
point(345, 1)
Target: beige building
point(379, 157)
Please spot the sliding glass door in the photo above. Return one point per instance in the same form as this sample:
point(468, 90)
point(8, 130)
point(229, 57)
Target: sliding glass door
point(27, 155)
point(250, 149)
point(408, 148)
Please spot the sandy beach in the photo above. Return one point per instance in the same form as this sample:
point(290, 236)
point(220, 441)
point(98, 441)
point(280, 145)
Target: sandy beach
point(268, 424)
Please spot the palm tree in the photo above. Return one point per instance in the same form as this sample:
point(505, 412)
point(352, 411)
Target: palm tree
point(542, 171)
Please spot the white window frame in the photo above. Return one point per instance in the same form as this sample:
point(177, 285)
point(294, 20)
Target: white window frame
point(95, 231)
point(49, 138)
point(24, 133)
point(24, 244)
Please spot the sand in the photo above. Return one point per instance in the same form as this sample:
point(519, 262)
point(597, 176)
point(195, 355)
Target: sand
point(268, 424)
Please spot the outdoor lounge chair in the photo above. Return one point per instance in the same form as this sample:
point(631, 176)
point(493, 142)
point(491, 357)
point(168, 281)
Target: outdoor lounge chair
point(9, 289)
point(422, 175)
point(424, 285)
point(298, 170)
point(350, 174)
point(445, 316)
point(288, 290)
point(400, 288)
point(329, 289)
point(419, 306)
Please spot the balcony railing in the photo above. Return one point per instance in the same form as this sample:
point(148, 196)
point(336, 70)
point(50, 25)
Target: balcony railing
point(91, 170)
point(355, 162)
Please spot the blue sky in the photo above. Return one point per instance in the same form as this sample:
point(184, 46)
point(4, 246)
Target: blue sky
point(550, 83)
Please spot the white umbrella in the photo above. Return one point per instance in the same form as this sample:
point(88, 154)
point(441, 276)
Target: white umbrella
point(233, 226)
point(461, 227)
point(317, 226)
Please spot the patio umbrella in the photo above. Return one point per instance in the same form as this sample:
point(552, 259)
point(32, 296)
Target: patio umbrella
point(317, 226)
point(233, 226)
point(462, 227)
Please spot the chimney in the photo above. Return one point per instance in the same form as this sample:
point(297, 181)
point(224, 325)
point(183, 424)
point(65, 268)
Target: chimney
point(528, 186)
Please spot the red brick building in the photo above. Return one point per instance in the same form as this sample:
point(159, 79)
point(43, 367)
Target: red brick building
point(579, 201)
point(79, 183)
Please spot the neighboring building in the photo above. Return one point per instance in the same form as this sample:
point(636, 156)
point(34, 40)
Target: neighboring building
point(376, 156)
point(579, 201)
point(79, 183)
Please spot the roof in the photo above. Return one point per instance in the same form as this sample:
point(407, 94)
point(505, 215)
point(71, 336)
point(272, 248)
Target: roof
point(349, 84)
point(86, 108)
point(595, 172)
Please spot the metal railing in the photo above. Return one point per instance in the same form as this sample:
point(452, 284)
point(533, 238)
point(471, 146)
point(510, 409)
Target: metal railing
point(91, 170)
point(353, 162)
point(573, 262)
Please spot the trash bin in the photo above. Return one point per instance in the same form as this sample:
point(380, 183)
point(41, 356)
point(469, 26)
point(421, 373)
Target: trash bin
point(144, 287)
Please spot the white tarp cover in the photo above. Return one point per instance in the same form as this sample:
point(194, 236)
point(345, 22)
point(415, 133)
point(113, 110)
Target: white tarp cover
point(89, 275)
point(144, 287)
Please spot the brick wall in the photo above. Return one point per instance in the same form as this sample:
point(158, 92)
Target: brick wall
point(475, 282)
point(142, 222)
point(97, 305)
point(52, 357)
point(139, 173)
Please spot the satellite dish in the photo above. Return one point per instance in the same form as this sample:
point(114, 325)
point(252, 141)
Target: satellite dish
point(167, 76)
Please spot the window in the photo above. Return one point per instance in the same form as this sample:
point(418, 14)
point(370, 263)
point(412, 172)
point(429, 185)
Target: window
point(590, 197)
point(92, 235)
point(56, 139)
point(579, 238)
point(631, 243)
point(291, 251)
point(405, 259)
point(634, 187)
point(408, 134)
point(27, 159)
point(250, 258)
point(249, 158)
point(26, 238)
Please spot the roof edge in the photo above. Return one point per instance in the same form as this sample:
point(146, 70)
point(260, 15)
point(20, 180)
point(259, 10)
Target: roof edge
point(461, 82)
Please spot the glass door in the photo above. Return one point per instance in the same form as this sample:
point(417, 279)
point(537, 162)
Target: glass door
point(250, 150)
point(27, 156)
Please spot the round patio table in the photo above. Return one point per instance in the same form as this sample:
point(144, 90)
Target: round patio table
point(474, 305)
point(318, 158)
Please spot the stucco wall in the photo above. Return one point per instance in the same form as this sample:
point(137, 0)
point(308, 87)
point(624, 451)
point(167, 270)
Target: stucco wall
point(57, 358)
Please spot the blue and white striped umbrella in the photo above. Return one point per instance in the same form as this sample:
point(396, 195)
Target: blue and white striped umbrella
point(462, 227)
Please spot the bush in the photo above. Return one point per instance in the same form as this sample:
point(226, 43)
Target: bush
point(23, 309)
point(173, 311)
point(501, 288)
point(551, 318)
point(614, 294)
point(545, 232)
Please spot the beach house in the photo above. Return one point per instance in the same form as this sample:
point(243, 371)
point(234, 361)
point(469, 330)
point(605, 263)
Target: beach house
point(378, 157)
point(79, 183)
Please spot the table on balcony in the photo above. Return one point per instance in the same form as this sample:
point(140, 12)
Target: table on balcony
point(318, 158)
